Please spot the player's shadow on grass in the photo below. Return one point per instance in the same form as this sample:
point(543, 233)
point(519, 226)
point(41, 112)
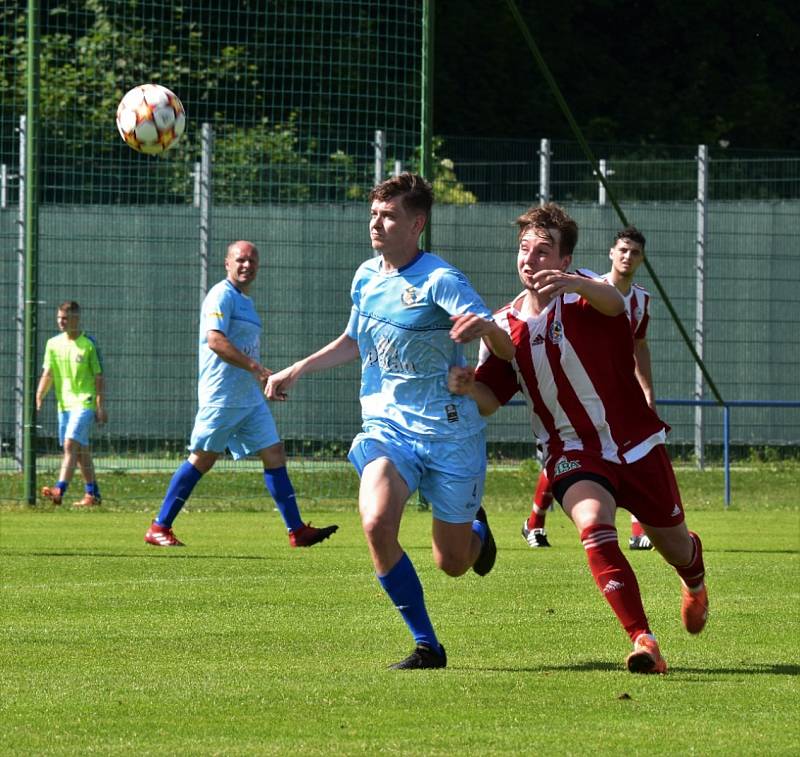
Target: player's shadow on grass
point(173, 554)
point(595, 666)
point(756, 551)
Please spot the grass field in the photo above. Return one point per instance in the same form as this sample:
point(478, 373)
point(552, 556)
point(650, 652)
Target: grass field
point(238, 645)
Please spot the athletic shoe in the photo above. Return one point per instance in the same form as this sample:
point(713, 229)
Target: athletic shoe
point(646, 656)
point(161, 536)
point(536, 537)
point(640, 542)
point(89, 500)
point(488, 553)
point(694, 609)
point(307, 535)
point(422, 657)
point(53, 493)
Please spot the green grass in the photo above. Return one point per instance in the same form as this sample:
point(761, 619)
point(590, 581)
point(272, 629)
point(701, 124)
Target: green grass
point(238, 645)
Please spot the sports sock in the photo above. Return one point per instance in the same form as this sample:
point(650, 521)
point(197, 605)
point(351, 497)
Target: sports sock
point(280, 487)
point(693, 574)
point(542, 499)
point(479, 527)
point(636, 527)
point(180, 487)
point(93, 489)
point(62, 485)
point(402, 585)
point(615, 577)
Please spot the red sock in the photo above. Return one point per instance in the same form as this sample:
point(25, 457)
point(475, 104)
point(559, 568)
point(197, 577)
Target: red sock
point(636, 528)
point(693, 573)
point(615, 578)
point(542, 500)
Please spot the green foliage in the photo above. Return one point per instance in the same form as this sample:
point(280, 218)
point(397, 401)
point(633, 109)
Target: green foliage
point(447, 189)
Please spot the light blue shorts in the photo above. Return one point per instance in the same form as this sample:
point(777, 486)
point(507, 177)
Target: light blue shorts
point(449, 473)
point(243, 430)
point(75, 424)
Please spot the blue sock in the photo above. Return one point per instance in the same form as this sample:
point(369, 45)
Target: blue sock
point(402, 585)
point(62, 485)
point(178, 491)
point(93, 489)
point(280, 487)
point(479, 527)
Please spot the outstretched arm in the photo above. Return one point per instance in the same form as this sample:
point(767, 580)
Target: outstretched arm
point(462, 381)
point(342, 350)
point(468, 327)
point(602, 296)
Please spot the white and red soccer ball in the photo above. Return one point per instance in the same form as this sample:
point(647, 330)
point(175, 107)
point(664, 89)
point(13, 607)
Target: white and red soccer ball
point(151, 119)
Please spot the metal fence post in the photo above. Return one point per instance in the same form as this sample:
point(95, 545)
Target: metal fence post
point(207, 146)
point(544, 171)
point(699, 325)
point(19, 384)
point(380, 156)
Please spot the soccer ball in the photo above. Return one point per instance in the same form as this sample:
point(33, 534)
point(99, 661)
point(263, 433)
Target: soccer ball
point(151, 119)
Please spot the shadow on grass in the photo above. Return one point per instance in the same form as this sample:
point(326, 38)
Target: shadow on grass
point(171, 555)
point(595, 666)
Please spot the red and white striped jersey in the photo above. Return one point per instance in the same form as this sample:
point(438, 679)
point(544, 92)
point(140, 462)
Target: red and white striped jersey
point(637, 304)
point(575, 367)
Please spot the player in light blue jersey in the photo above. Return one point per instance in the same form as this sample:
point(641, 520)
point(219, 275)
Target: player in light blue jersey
point(232, 413)
point(411, 313)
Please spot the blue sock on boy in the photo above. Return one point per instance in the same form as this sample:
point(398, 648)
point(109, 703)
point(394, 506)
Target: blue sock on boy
point(280, 487)
point(180, 487)
point(402, 585)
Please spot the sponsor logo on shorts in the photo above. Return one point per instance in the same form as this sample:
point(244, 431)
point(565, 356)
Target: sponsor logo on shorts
point(556, 332)
point(565, 466)
point(676, 511)
point(452, 413)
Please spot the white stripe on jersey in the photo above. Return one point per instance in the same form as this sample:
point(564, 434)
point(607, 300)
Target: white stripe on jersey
point(578, 378)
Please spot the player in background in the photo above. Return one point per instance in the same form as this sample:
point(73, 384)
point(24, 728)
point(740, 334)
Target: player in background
point(411, 313)
point(232, 412)
point(74, 366)
point(603, 444)
point(626, 256)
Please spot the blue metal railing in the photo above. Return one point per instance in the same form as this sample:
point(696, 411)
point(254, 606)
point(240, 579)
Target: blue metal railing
point(726, 424)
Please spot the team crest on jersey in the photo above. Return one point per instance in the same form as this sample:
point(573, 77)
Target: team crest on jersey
point(637, 313)
point(452, 413)
point(409, 296)
point(556, 332)
point(79, 357)
point(565, 466)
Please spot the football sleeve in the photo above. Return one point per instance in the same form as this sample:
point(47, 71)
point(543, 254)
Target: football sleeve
point(498, 375)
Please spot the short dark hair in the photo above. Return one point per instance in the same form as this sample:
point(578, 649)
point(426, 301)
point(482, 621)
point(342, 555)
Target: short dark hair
point(632, 233)
point(416, 193)
point(69, 306)
point(550, 216)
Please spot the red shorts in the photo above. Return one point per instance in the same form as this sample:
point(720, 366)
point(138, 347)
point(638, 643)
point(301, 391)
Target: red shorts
point(646, 488)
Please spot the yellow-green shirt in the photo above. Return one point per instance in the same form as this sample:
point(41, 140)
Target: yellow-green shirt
point(73, 365)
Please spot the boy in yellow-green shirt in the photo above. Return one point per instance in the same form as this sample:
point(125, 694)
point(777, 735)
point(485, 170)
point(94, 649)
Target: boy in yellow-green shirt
point(73, 365)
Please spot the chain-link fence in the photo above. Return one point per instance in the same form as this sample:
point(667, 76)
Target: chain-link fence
point(293, 96)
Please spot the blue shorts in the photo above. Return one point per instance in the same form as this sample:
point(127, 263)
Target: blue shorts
point(449, 473)
point(243, 430)
point(75, 424)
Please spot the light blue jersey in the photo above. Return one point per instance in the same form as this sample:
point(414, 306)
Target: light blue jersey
point(221, 384)
point(401, 321)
